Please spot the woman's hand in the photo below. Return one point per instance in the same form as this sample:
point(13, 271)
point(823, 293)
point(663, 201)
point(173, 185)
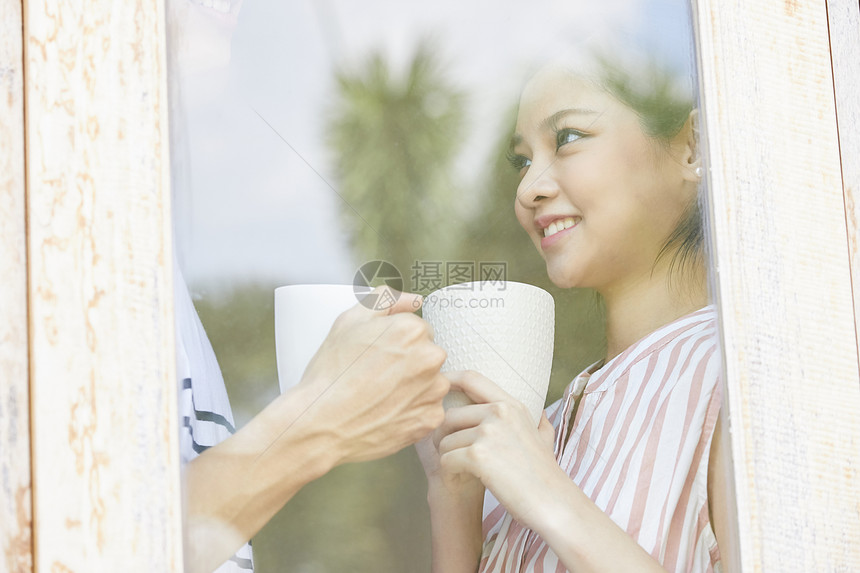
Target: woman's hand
point(438, 479)
point(455, 500)
point(495, 440)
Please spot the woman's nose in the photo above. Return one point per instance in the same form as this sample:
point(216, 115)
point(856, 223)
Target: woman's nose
point(539, 184)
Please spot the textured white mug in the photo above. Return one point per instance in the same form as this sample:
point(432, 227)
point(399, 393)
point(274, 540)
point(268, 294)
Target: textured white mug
point(304, 314)
point(504, 330)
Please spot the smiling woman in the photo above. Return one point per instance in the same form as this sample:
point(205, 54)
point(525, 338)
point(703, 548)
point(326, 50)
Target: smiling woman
point(608, 185)
point(87, 306)
point(585, 159)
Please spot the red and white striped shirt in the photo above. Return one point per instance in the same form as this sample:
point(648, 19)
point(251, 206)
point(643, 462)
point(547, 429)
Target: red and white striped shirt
point(638, 447)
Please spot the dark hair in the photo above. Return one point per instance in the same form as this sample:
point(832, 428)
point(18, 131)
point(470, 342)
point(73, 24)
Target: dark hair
point(652, 94)
point(663, 112)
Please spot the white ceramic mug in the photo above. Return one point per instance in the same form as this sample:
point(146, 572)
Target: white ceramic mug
point(304, 314)
point(504, 330)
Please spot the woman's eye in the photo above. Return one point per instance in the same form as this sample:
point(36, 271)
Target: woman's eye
point(518, 162)
point(564, 136)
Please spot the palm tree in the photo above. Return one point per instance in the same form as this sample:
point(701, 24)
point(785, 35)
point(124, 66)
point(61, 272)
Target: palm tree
point(394, 143)
point(394, 138)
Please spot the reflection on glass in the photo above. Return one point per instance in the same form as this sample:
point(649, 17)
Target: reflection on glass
point(607, 153)
point(312, 137)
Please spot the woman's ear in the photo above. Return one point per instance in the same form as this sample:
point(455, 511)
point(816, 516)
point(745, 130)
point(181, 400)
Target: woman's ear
point(691, 159)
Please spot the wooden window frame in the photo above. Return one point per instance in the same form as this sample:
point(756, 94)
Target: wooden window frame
point(15, 495)
point(783, 274)
point(90, 475)
point(97, 330)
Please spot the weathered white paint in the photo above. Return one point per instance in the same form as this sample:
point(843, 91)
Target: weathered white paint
point(844, 18)
point(106, 483)
point(15, 496)
point(783, 284)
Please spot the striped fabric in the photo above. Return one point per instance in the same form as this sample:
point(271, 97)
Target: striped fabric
point(206, 418)
point(638, 447)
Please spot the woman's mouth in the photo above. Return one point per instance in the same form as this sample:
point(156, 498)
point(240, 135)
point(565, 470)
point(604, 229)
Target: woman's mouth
point(557, 230)
point(559, 226)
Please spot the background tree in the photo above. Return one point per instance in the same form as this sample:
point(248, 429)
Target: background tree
point(394, 137)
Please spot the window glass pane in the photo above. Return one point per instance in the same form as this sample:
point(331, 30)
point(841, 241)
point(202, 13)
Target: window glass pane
point(552, 143)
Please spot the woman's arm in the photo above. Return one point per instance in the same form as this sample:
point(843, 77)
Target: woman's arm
point(456, 527)
point(499, 444)
point(582, 535)
point(456, 503)
point(718, 492)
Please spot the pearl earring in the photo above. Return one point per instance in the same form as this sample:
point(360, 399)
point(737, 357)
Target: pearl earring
point(699, 172)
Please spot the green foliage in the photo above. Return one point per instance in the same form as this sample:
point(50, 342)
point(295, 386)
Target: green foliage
point(241, 328)
point(366, 517)
point(394, 139)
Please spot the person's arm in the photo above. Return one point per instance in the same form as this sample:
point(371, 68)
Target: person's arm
point(234, 488)
point(582, 535)
point(600, 536)
point(373, 388)
point(718, 492)
point(456, 503)
point(496, 441)
point(456, 500)
point(455, 528)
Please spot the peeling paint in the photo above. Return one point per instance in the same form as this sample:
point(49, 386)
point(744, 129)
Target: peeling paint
point(15, 492)
point(17, 552)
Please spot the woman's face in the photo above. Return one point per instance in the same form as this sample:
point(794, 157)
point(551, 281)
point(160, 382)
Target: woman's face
point(598, 197)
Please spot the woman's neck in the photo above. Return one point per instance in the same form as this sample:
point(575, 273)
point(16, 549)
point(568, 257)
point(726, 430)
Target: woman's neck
point(644, 305)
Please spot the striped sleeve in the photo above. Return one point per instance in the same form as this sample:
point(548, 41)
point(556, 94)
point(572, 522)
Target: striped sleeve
point(204, 408)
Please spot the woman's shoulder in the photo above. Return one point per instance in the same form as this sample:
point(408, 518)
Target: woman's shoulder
point(686, 338)
point(686, 348)
point(699, 327)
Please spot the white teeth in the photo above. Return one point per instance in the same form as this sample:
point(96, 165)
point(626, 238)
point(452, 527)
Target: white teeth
point(559, 225)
